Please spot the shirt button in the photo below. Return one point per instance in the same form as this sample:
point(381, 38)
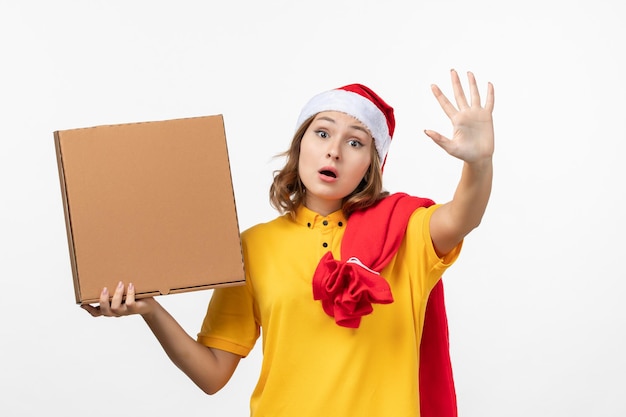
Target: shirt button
point(325, 244)
point(325, 222)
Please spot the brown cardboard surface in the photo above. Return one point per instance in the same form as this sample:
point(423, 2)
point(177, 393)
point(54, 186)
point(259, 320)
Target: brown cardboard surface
point(150, 203)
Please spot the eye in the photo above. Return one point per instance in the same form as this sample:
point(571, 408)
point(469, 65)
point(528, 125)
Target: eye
point(322, 134)
point(355, 143)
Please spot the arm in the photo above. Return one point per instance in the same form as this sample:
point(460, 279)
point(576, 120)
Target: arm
point(473, 143)
point(209, 368)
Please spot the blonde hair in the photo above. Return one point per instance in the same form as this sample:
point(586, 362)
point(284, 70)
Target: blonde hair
point(287, 191)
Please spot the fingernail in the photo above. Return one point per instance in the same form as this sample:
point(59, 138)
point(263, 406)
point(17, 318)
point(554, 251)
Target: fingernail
point(105, 291)
point(120, 284)
point(130, 286)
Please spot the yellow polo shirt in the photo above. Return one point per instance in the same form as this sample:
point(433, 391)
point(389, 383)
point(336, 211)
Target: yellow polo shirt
point(311, 366)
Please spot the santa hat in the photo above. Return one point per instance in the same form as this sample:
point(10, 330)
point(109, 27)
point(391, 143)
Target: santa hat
point(361, 103)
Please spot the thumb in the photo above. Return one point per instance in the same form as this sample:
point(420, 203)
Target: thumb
point(94, 311)
point(439, 139)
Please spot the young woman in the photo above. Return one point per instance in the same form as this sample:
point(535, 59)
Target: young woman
point(344, 285)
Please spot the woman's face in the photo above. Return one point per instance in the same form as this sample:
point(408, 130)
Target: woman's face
point(335, 153)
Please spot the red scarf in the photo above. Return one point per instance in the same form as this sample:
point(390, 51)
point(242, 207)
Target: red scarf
point(347, 289)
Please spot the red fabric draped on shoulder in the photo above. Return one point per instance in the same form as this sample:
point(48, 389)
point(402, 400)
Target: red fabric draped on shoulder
point(348, 287)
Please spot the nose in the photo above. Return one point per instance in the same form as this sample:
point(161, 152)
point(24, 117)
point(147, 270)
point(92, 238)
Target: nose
point(333, 151)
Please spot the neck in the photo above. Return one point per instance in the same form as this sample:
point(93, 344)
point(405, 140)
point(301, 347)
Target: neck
point(323, 207)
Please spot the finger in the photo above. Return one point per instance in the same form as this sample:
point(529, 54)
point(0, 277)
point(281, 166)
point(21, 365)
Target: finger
point(105, 307)
point(118, 296)
point(490, 100)
point(474, 94)
point(439, 139)
point(445, 104)
point(130, 296)
point(459, 94)
point(94, 311)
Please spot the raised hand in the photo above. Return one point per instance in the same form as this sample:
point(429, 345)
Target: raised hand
point(472, 137)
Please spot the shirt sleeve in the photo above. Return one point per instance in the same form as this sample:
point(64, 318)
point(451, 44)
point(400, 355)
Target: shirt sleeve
point(425, 260)
point(230, 322)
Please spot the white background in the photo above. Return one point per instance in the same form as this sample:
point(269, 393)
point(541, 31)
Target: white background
point(535, 302)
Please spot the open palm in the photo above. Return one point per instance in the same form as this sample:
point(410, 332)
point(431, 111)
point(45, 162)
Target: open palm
point(472, 137)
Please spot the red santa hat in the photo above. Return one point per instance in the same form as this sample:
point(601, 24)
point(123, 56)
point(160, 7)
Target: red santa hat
point(361, 103)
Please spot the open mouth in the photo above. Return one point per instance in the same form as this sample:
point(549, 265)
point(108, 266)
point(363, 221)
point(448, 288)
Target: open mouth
point(328, 173)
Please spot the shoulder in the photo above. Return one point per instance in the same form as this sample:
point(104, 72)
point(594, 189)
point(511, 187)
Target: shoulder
point(262, 230)
point(423, 214)
point(418, 226)
point(418, 236)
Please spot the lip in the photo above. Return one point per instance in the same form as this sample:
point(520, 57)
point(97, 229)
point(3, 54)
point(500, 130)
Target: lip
point(328, 174)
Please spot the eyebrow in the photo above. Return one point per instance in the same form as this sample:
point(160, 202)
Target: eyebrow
point(357, 127)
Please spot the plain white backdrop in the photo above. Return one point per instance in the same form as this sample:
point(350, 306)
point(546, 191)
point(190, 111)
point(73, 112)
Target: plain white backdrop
point(536, 300)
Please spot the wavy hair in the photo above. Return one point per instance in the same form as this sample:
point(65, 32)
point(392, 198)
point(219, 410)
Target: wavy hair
point(287, 191)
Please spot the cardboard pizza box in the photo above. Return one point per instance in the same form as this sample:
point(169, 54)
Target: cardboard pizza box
point(150, 203)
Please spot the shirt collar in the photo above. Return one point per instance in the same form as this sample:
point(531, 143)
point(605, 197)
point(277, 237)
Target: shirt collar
point(312, 220)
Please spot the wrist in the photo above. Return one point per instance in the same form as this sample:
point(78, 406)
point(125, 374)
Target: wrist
point(480, 165)
point(151, 307)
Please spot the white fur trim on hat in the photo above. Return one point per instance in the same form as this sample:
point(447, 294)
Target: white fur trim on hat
point(356, 106)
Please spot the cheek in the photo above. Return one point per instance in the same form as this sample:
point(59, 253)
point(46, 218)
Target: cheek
point(310, 152)
point(305, 150)
point(365, 164)
point(360, 170)
point(304, 157)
